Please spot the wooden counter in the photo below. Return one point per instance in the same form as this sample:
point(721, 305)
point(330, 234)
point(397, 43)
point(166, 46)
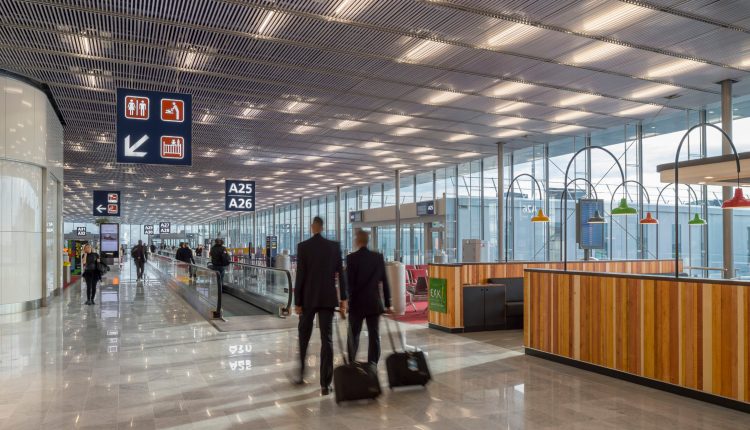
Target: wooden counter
point(685, 335)
point(457, 275)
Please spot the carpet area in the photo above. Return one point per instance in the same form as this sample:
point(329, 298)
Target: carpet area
point(412, 317)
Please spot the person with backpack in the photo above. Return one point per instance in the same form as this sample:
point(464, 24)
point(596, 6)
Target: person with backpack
point(92, 274)
point(219, 260)
point(139, 258)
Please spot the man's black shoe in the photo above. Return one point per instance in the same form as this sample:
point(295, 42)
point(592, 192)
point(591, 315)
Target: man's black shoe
point(326, 391)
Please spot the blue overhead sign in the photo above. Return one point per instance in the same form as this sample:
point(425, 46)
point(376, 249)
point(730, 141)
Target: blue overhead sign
point(239, 195)
point(154, 127)
point(106, 203)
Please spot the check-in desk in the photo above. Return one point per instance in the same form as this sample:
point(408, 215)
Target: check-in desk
point(458, 277)
point(684, 335)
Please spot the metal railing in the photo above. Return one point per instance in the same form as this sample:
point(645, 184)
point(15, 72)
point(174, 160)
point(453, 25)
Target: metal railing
point(268, 288)
point(200, 285)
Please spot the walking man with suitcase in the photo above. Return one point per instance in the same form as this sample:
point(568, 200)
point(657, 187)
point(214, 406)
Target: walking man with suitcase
point(318, 263)
point(365, 272)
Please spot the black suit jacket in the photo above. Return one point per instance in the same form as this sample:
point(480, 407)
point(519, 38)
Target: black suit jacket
point(318, 263)
point(365, 273)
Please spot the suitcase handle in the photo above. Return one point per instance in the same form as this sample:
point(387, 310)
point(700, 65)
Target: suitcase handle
point(344, 352)
point(390, 334)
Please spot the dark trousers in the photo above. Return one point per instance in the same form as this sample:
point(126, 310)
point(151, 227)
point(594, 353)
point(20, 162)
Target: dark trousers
point(220, 276)
point(373, 330)
point(91, 281)
point(139, 267)
point(325, 320)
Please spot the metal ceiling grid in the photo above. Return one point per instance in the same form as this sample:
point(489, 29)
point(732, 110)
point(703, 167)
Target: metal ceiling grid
point(279, 83)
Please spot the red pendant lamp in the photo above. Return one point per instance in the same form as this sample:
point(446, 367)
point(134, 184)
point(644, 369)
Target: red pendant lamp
point(736, 202)
point(649, 219)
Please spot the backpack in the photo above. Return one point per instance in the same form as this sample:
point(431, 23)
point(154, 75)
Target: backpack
point(225, 260)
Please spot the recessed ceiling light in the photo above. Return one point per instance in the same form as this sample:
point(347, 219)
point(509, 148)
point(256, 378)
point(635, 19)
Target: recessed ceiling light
point(423, 50)
point(296, 106)
point(366, 167)
point(571, 115)
point(395, 119)
point(428, 157)
point(370, 145)
point(565, 129)
point(597, 51)
point(514, 34)
point(399, 166)
point(468, 154)
point(653, 91)
point(403, 131)
point(511, 107)
point(333, 148)
point(303, 129)
point(510, 121)
point(420, 150)
point(615, 17)
point(578, 99)
point(639, 110)
point(347, 124)
point(510, 133)
point(510, 88)
point(312, 157)
point(307, 170)
point(324, 163)
point(459, 137)
point(433, 163)
point(390, 160)
point(441, 97)
point(674, 68)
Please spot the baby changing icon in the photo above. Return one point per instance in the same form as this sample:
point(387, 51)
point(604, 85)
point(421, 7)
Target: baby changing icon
point(172, 110)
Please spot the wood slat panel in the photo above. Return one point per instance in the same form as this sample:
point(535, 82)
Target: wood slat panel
point(688, 333)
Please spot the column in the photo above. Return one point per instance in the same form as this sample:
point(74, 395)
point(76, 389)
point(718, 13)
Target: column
point(301, 219)
point(338, 214)
point(501, 200)
point(397, 252)
point(726, 192)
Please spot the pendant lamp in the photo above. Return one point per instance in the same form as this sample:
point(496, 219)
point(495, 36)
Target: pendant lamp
point(596, 218)
point(624, 209)
point(736, 202)
point(649, 219)
point(540, 217)
point(697, 220)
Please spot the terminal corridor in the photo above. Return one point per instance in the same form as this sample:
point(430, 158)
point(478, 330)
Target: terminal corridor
point(144, 359)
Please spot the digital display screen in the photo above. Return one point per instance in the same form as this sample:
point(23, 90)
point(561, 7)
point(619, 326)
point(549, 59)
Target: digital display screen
point(355, 216)
point(109, 236)
point(590, 236)
point(426, 208)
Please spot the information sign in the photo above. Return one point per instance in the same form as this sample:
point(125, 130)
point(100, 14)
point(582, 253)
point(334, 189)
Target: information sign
point(239, 195)
point(106, 203)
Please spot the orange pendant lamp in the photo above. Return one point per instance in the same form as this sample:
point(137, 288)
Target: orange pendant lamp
point(540, 217)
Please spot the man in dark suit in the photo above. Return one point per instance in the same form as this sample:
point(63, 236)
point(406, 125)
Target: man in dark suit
point(318, 263)
point(365, 274)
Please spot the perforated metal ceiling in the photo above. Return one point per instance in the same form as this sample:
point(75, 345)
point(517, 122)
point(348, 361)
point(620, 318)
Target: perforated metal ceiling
point(304, 95)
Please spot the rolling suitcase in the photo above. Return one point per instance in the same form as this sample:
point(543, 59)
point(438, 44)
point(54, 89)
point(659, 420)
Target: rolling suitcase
point(353, 380)
point(408, 368)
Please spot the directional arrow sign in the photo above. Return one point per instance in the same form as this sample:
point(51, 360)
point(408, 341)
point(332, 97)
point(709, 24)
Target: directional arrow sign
point(154, 127)
point(130, 151)
point(106, 203)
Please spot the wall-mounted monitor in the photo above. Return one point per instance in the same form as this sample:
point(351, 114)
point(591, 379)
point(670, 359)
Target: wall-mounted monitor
point(589, 236)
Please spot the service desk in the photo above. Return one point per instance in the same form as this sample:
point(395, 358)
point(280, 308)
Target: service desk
point(458, 275)
point(684, 335)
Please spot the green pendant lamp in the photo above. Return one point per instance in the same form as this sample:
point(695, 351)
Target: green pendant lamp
point(697, 220)
point(596, 219)
point(624, 209)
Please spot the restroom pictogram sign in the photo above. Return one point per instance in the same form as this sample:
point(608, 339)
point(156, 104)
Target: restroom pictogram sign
point(136, 107)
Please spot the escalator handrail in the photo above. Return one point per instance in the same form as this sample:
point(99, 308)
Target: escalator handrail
point(216, 273)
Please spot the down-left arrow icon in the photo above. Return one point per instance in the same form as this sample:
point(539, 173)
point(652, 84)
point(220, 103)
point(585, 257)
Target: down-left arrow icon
point(130, 151)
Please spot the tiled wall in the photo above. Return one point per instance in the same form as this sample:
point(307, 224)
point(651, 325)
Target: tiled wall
point(31, 138)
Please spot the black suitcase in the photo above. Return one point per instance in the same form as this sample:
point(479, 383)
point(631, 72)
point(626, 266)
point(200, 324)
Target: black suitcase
point(353, 380)
point(408, 368)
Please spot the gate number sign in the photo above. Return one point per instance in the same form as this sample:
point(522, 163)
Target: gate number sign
point(240, 196)
point(148, 229)
point(80, 231)
point(165, 227)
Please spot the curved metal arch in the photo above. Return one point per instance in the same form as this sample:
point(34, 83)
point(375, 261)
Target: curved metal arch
point(507, 195)
point(695, 195)
point(565, 201)
point(677, 183)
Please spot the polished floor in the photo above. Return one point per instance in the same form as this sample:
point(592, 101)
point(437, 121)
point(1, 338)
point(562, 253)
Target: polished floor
point(142, 358)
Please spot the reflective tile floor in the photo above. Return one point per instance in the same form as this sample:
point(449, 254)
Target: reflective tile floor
point(142, 358)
